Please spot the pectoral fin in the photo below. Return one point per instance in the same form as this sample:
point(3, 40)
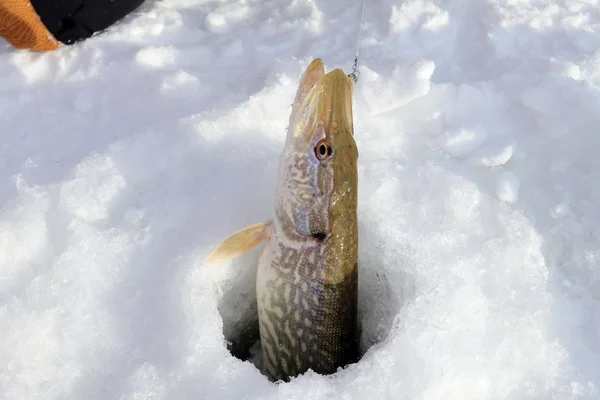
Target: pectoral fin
point(240, 242)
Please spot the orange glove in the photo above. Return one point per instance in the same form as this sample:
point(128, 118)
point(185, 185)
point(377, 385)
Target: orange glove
point(22, 27)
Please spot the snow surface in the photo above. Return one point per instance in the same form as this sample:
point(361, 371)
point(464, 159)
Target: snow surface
point(126, 158)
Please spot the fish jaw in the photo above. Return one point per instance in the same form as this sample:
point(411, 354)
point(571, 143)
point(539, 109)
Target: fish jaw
point(328, 104)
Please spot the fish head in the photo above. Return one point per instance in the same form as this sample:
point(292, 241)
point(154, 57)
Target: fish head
point(318, 166)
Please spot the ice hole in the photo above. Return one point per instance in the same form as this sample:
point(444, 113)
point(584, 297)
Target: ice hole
point(385, 284)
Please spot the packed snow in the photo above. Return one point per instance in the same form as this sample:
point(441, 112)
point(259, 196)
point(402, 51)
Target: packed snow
point(127, 158)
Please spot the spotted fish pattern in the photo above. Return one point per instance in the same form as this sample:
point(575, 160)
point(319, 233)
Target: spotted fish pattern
point(304, 321)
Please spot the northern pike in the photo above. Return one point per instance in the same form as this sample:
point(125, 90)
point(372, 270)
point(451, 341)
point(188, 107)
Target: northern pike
point(307, 277)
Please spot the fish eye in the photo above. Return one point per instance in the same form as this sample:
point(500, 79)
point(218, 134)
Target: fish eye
point(323, 149)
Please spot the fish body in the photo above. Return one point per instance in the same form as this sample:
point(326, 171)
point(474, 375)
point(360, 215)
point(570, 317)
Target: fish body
point(307, 278)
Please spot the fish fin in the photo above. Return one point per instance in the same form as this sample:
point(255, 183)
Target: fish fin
point(240, 242)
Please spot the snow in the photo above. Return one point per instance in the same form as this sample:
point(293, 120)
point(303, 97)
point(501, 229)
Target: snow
point(126, 158)
point(508, 187)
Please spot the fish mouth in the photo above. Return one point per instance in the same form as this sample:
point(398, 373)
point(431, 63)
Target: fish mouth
point(331, 102)
point(323, 100)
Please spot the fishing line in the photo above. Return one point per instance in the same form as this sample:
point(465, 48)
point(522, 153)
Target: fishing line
point(354, 74)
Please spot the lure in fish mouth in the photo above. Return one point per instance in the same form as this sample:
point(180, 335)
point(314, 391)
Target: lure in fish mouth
point(307, 276)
